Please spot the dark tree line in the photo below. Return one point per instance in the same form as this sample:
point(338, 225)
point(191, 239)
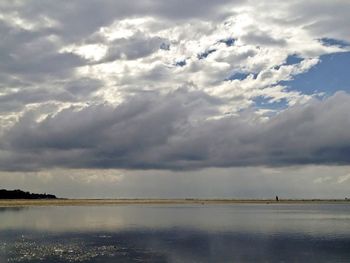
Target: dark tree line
point(19, 194)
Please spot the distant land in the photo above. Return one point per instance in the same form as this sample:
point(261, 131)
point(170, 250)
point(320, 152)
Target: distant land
point(188, 201)
point(19, 194)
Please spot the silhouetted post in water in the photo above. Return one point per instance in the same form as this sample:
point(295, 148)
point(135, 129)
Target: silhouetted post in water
point(276, 198)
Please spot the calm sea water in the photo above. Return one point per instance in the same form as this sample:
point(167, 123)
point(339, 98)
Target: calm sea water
point(176, 233)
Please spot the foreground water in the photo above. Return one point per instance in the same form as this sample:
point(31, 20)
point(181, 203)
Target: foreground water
point(176, 233)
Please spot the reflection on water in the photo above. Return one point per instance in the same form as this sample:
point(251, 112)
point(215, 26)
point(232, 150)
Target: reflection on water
point(177, 233)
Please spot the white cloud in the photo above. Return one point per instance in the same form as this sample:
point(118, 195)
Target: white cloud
point(344, 178)
point(128, 44)
point(261, 47)
point(321, 180)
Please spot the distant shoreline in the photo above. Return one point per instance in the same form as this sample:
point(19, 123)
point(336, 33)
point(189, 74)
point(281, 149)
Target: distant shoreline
point(104, 202)
point(19, 194)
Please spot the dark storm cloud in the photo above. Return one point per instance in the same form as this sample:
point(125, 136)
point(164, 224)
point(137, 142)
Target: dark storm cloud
point(172, 132)
point(102, 135)
point(32, 53)
point(65, 91)
point(83, 17)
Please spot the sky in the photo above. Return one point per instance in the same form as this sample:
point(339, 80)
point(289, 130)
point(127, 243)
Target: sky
point(175, 99)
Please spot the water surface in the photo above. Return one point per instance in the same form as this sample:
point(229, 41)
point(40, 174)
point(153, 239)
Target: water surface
point(176, 233)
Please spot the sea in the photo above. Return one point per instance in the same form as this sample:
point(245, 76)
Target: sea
point(176, 233)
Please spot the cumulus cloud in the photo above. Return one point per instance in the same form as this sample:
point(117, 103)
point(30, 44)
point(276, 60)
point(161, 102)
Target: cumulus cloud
point(173, 132)
point(167, 84)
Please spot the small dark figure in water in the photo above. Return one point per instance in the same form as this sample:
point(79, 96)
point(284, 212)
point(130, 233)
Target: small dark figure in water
point(276, 198)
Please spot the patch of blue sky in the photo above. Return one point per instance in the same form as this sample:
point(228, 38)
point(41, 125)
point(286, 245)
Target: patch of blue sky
point(228, 41)
point(334, 42)
point(331, 74)
point(180, 63)
point(240, 76)
point(293, 59)
point(205, 54)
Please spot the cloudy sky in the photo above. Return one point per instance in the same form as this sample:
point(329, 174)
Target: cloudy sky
point(185, 98)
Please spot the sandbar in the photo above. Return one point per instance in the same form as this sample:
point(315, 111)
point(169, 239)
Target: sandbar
point(98, 202)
